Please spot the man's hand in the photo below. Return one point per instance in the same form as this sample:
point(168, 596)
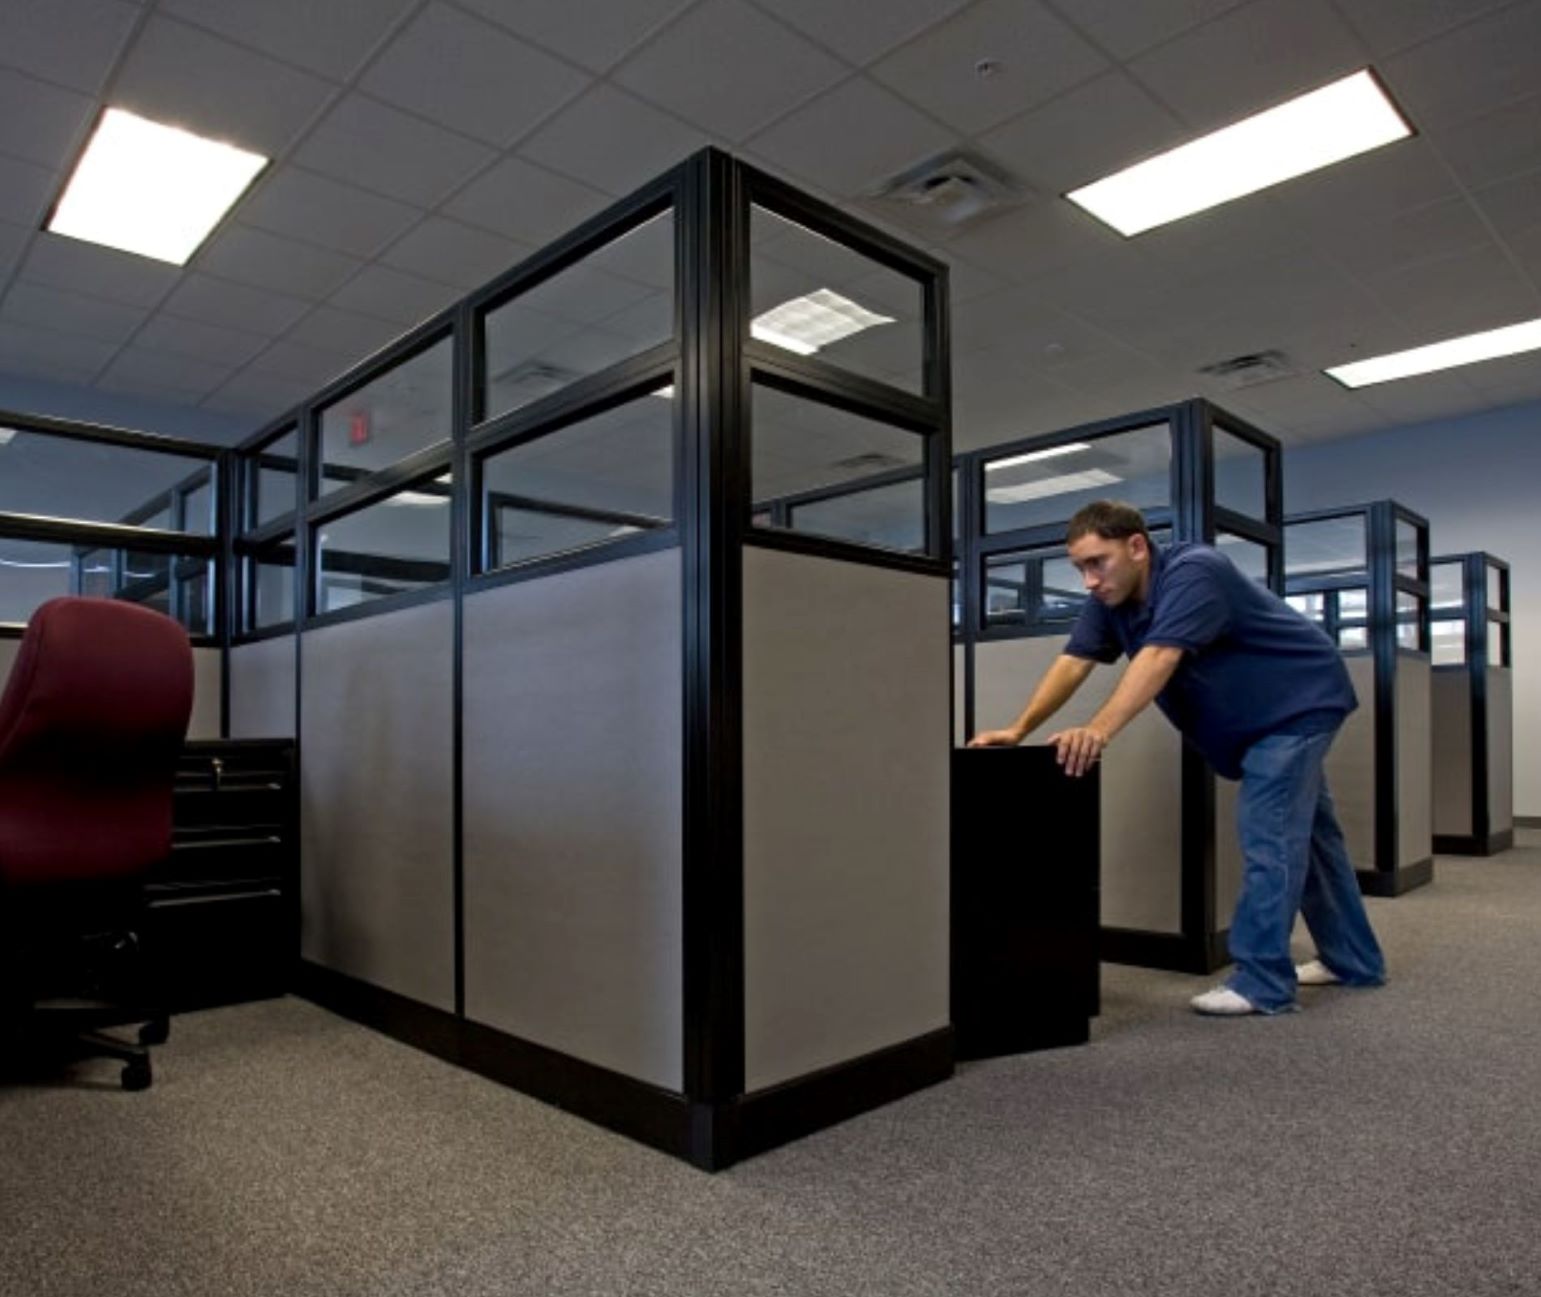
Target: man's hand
point(995, 739)
point(1079, 749)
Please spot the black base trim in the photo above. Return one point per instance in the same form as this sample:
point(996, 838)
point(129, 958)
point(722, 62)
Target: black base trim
point(1164, 950)
point(999, 1041)
point(1470, 845)
point(1394, 882)
point(1527, 821)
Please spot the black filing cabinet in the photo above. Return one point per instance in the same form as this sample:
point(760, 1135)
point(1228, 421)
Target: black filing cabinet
point(223, 917)
point(1025, 901)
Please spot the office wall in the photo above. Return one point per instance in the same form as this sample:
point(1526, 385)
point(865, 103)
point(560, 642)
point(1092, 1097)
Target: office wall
point(1478, 481)
point(1415, 774)
point(262, 697)
point(846, 786)
point(1350, 766)
point(204, 721)
point(1500, 737)
point(1451, 750)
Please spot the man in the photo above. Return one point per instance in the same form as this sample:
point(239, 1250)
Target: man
point(1260, 692)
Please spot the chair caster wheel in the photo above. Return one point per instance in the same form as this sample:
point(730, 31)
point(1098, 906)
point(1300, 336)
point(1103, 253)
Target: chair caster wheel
point(155, 1032)
point(136, 1075)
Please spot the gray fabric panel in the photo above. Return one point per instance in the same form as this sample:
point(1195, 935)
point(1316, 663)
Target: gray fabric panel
point(8, 651)
point(573, 785)
point(959, 717)
point(1141, 781)
point(377, 883)
point(1415, 777)
point(846, 758)
point(1228, 857)
point(1350, 767)
point(262, 689)
point(1450, 745)
point(204, 721)
point(1500, 749)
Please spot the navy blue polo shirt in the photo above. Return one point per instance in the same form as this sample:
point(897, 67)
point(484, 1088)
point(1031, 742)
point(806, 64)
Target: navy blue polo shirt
point(1252, 665)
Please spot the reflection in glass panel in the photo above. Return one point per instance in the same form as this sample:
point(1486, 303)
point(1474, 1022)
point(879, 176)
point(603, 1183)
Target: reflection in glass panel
point(1409, 621)
point(195, 596)
point(402, 411)
point(1249, 556)
point(271, 574)
point(1353, 637)
point(31, 572)
point(957, 599)
point(146, 579)
point(1313, 606)
point(271, 481)
point(64, 478)
point(809, 294)
point(583, 484)
point(1240, 475)
point(198, 509)
point(1327, 545)
point(96, 572)
point(1448, 642)
point(1047, 486)
point(401, 543)
point(1353, 603)
point(1006, 592)
point(1407, 549)
point(1032, 586)
point(1446, 584)
point(614, 303)
point(890, 517)
point(1495, 589)
point(801, 445)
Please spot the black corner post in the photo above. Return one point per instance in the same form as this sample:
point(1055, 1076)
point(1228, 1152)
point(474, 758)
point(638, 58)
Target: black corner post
point(1381, 538)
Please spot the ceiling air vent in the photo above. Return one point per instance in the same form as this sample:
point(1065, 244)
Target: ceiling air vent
point(873, 461)
point(1250, 370)
point(949, 191)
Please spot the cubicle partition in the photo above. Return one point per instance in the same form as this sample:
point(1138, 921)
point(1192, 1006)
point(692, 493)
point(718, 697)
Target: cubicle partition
point(87, 509)
point(1361, 572)
point(1473, 705)
point(1171, 865)
point(618, 783)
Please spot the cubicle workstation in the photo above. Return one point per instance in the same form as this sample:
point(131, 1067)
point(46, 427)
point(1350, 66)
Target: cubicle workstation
point(1171, 867)
point(1473, 704)
point(615, 786)
point(1361, 572)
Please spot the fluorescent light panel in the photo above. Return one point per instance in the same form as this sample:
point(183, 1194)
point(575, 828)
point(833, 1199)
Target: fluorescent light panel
point(1338, 121)
point(150, 189)
point(1511, 340)
point(1033, 456)
point(1085, 481)
point(805, 324)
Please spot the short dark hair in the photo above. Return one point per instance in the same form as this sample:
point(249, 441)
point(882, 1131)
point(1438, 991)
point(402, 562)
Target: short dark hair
point(1110, 519)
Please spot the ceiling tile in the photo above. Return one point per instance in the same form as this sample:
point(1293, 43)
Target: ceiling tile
point(612, 141)
point(34, 352)
point(861, 33)
point(729, 68)
point(1101, 127)
point(1250, 59)
point(521, 201)
point(1375, 186)
point(257, 396)
point(468, 74)
point(393, 295)
point(1458, 294)
point(1036, 57)
point(102, 272)
point(263, 260)
point(52, 308)
point(41, 123)
point(1125, 29)
point(1389, 26)
point(13, 240)
point(1411, 400)
point(1424, 235)
point(314, 367)
point(1213, 241)
point(852, 138)
point(1471, 70)
point(177, 74)
point(330, 38)
point(199, 339)
point(593, 33)
point(72, 42)
point(1495, 145)
point(375, 147)
point(344, 331)
point(313, 208)
point(1512, 206)
point(26, 191)
point(1036, 239)
point(455, 254)
point(147, 372)
point(236, 306)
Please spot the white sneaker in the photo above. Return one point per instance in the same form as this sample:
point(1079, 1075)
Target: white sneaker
point(1316, 973)
point(1222, 1002)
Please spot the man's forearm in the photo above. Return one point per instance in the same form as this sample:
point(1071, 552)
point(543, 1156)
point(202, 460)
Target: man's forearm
point(1144, 678)
point(1059, 683)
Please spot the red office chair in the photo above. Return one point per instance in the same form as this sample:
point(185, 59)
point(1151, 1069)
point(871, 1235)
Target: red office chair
point(91, 722)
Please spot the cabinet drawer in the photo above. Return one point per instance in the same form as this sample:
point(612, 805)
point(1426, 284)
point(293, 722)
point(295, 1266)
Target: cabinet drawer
point(219, 948)
point(265, 802)
point(217, 857)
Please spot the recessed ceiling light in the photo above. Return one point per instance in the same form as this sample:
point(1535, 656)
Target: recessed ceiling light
point(1092, 477)
point(1510, 340)
point(1033, 456)
point(150, 189)
point(807, 323)
point(1338, 121)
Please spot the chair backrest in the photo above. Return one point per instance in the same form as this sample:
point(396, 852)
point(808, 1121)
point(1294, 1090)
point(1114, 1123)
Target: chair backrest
point(91, 722)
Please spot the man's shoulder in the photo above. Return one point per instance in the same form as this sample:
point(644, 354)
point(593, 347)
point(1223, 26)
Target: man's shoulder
point(1190, 560)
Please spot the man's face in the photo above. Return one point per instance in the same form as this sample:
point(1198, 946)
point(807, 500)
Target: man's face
point(1112, 570)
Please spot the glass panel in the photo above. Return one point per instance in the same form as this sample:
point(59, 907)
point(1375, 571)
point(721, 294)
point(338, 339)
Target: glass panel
point(1445, 584)
point(1248, 555)
point(1353, 603)
point(583, 484)
point(1495, 589)
point(1313, 606)
point(146, 579)
point(800, 445)
point(1448, 640)
point(1031, 587)
point(402, 411)
point(957, 599)
point(1353, 637)
point(890, 517)
point(271, 573)
point(809, 294)
point(271, 482)
point(1407, 549)
point(400, 543)
point(1498, 645)
point(96, 576)
point(195, 590)
point(64, 478)
point(31, 573)
point(198, 510)
point(1240, 475)
point(616, 302)
point(1048, 486)
point(1006, 593)
point(1409, 621)
point(1328, 545)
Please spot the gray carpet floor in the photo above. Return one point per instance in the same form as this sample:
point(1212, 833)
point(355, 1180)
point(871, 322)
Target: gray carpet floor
point(1379, 1142)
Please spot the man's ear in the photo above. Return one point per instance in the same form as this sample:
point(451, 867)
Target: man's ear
point(1139, 547)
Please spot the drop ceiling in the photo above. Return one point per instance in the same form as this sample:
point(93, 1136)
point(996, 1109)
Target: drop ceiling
point(421, 146)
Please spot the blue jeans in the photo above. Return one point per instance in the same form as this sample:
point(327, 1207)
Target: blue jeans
point(1294, 862)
